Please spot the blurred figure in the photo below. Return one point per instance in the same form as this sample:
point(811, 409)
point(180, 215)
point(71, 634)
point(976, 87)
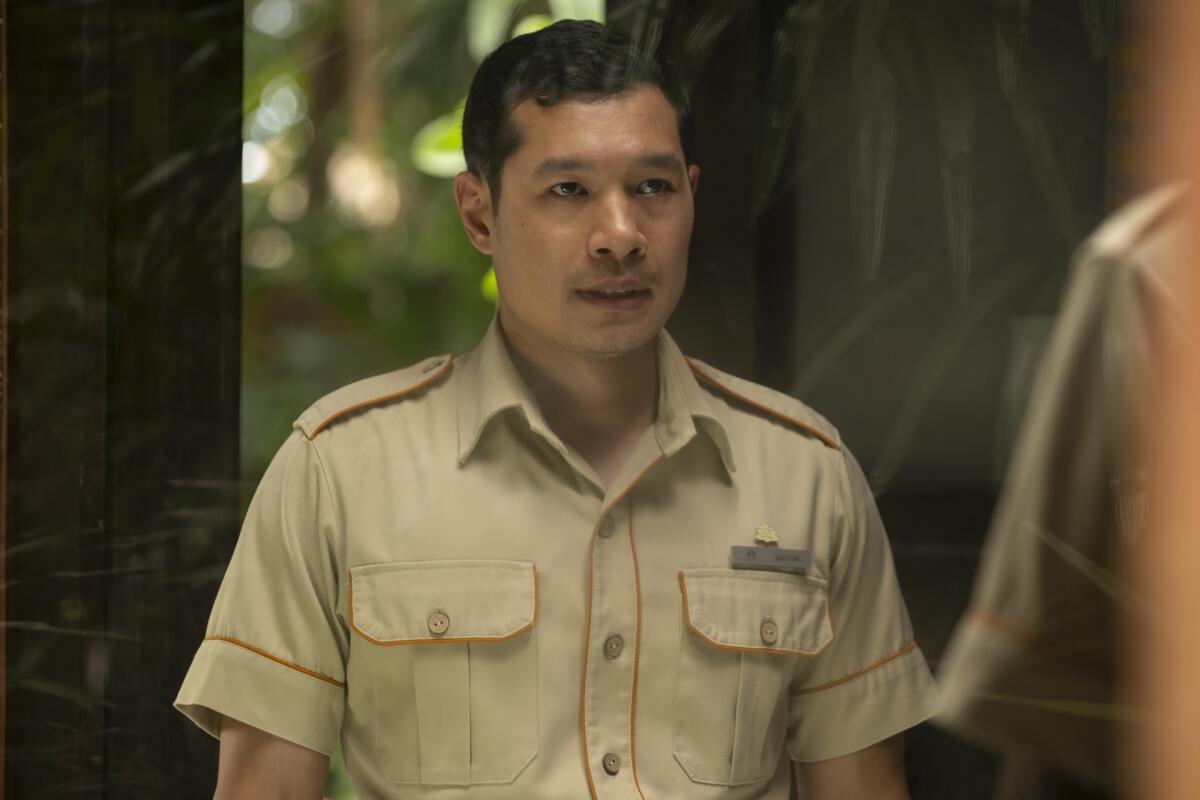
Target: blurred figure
point(1080, 655)
point(1032, 669)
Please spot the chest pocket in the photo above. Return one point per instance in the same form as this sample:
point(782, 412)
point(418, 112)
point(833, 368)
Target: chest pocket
point(743, 633)
point(453, 659)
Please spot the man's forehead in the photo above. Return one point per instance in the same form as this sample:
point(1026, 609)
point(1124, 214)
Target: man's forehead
point(638, 125)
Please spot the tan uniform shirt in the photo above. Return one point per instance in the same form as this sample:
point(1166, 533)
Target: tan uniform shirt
point(429, 573)
point(1031, 666)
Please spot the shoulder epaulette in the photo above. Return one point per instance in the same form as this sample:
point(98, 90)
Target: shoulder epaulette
point(1137, 220)
point(370, 392)
point(774, 404)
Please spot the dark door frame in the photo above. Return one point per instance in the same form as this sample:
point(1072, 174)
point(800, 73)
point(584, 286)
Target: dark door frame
point(121, 384)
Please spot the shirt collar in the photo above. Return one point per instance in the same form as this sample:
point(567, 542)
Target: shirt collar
point(684, 407)
point(490, 384)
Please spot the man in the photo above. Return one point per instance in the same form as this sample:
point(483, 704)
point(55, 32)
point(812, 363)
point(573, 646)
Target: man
point(509, 575)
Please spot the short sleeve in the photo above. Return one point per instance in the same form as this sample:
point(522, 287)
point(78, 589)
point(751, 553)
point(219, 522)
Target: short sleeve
point(273, 655)
point(871, 682)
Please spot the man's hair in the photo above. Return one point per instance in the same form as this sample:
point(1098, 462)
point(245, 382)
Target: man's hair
point(571, 59)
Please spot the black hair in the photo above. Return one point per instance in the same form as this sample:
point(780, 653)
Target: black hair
point(563, 61)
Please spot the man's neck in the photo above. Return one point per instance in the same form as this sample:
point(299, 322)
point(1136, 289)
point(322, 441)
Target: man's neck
point(600, 406)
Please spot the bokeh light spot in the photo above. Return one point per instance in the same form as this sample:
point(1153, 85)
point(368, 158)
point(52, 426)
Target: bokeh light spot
point(268, 248)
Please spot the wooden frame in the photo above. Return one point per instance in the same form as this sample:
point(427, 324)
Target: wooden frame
point(3, 373)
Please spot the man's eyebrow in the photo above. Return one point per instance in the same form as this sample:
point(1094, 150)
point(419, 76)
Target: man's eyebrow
point(661, 160)
point(555, 165)
point(552, 166)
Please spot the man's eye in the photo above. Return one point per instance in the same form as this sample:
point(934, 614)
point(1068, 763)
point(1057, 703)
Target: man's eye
point(653, 186)
point(567, 189)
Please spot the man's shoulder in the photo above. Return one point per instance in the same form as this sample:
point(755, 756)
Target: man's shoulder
point(763, 402)
point(1137, 224)
point(374, 392)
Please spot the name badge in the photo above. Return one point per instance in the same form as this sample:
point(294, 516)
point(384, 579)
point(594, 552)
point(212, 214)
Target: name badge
point(776, 559)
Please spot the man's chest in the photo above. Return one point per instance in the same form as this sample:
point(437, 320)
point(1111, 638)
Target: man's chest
point(504, 611)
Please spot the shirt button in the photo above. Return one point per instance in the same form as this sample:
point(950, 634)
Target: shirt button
point(607, 526)
point(612, 763)
point(613, 646)
point(439, 623)
point(769, 632)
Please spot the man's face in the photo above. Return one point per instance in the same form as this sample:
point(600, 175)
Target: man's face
point(590, 239)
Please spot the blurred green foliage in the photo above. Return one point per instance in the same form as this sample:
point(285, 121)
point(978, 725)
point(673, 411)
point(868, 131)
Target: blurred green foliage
point(330, 294)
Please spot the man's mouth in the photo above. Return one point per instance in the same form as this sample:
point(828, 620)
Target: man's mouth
point(618, 299)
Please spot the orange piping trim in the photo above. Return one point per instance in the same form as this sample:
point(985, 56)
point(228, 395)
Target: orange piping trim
point(737, 648)
point(276, 659)
point(637, 651)
point(385, 398)
point(446, 639)
point(852, 676)
point(587, 630)
point(587, 640)
point(765, 409)
point(997, 622)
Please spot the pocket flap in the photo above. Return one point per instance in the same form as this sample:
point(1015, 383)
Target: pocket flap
point(762, 612)
point(424, 602)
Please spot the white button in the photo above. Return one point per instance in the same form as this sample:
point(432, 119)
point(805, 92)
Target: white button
point(607, 526)
point(439, 623)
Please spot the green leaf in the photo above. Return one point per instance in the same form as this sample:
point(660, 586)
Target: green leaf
point(162, 173)
point(488, 287)
point(946, 72)
point(437, 147)
point(696, 47)
point(337, 784)
point(487, 25)
point(1010, 28)
point(1034, 125)
point(873, 95)
point(578, 9)
point(1095, 572)
point(1099, 20)
point(832, 353)
point(796, 45)
point(532, 24)
point(936, 362)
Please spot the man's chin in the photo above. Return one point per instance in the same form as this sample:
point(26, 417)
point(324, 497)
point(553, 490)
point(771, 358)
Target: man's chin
point(618, 345)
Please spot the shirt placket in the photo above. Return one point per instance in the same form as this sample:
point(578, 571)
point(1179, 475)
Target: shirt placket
point(609, 691)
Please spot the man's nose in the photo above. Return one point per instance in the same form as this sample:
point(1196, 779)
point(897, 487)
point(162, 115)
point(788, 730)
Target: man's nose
point(615, 231)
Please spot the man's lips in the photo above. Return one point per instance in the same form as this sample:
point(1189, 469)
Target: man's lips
point(615, 297)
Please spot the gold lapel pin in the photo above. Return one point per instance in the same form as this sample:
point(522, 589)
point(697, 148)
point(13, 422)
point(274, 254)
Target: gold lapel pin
point(765, 534)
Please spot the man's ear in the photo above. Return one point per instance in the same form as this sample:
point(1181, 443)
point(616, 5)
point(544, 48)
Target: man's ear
point(693, 173)
point(474, 201)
